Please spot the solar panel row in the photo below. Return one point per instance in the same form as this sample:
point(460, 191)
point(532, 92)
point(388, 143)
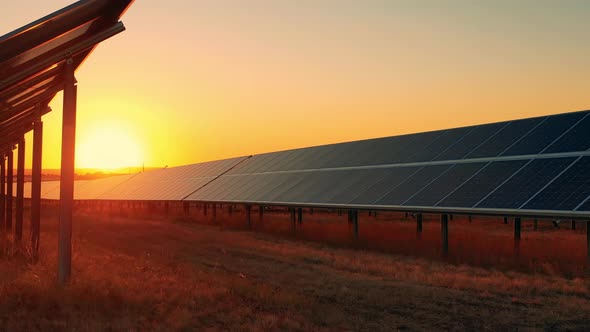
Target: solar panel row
point(530, 164)
point(551, 134)
point(540, 184)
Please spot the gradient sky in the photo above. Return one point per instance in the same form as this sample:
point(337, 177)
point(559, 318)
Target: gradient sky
point(197, 80)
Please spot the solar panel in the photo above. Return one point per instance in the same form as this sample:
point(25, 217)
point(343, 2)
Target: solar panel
point(538, 166)
point(477, 187)
point(525, 183)
point(565, 192)
point(443, 185)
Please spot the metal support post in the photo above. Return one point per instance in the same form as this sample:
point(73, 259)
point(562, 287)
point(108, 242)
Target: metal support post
point(419, 222)
point(444, 225)
point(2, 190)
point(68, 148)
point(355, 223)
point(9, 186)
point(20, 189)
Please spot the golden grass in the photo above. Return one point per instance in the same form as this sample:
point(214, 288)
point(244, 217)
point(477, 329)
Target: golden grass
point(139, 274)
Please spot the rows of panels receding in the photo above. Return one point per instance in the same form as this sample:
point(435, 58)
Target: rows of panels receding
point(543, 184)
point(539, 163)
point(551, 134)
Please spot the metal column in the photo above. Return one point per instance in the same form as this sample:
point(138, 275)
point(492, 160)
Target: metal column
point(299, 216)
point(517, 228)
point(66, 195)
point(248, 215)
point(354, 218)
point(2, 190)
point(419, 222)
point(292, 219)
point(20, 188)
point(9, 180)
point(444, 225)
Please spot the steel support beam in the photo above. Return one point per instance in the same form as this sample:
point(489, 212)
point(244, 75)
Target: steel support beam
point(354, 216)
point(260, 211)
point(419, 222)
point(573, 224)
point(9, 182)
point(20, 190)
point(249, 215)
point(66, 195)
point(299, 216)
point(2, 190)
point(444, 227)
point(535, 224)
point(292, 219)
point(517, 228)
point(505, 220)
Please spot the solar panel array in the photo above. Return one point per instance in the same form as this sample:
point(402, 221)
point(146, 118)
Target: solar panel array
point(536, 164)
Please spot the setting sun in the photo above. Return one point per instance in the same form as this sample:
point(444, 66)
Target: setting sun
point(108, 147)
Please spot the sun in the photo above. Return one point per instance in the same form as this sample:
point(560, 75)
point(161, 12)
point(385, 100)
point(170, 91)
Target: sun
point(107, 148)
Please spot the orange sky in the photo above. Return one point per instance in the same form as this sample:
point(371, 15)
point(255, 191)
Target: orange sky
point(191, 81)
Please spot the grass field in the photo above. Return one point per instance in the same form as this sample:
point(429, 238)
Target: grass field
point(142, 274)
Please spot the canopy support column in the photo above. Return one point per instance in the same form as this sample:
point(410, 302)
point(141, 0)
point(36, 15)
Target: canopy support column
point(36, 188)
point(20, 188)
point(9, 183)
point(444, 227)
point(68, 146)
point(2, 190)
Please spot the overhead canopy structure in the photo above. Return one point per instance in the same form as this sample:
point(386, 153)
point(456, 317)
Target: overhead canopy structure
point(32, 59)
point(528, 167)
point(36, 62)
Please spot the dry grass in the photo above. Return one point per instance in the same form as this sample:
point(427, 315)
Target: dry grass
point(138, 274)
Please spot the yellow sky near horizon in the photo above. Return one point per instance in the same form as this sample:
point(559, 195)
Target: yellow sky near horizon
point(191, 81)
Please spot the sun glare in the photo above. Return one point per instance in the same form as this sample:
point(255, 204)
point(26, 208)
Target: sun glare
point(108, 148)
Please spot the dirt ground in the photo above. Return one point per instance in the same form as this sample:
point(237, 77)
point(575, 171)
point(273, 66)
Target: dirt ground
point(137, 274)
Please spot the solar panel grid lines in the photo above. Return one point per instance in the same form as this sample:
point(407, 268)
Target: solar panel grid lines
point(442, 186)
point(459, 141)
point(549, 183)
point(489, 177)
point(428, 184)
point(505, 137)
point(524, 135)
point(392, 179)
point(501, 127)
point(547, 149)
point(529, 180)
point(412, 184)
point(545, 134)
point(505, 181)
point(444, 141)
point(582, 203)
point(358, 183)
point(567, 191)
